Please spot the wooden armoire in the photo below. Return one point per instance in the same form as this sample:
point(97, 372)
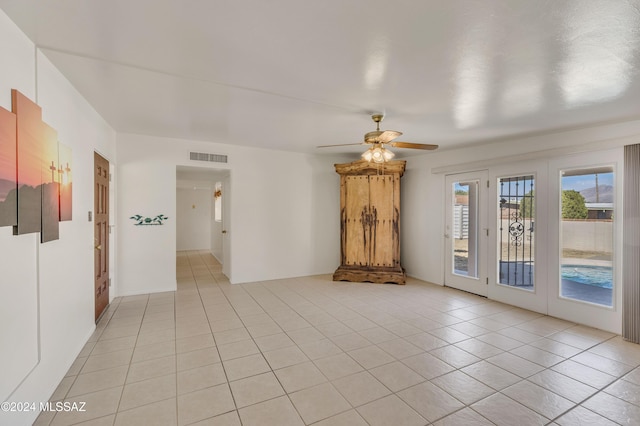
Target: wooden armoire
point(370, 222)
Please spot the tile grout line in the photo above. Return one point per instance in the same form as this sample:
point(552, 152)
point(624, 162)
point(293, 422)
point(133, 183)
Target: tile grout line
point(197, 286)
point(132, 355)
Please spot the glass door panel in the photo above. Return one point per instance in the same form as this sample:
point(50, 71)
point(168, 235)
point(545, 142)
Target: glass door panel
point(465, 229)
point(516, 214)
point(518, 247)
point(586, 231)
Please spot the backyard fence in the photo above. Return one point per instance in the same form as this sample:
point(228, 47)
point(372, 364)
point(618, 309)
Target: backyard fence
point(588, 235)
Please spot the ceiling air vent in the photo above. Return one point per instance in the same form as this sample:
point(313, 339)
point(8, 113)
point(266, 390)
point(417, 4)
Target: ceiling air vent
point(203, 156)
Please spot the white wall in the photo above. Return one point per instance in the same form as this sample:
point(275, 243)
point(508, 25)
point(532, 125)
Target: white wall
point(422, 217)
point(18, 254)
point(193, 218)
point(60, 272)
point(284, 211)
point(145, 261)
point(325, 213)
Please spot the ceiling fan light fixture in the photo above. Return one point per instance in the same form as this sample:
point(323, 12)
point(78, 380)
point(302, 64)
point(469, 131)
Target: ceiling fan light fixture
point(378, 154)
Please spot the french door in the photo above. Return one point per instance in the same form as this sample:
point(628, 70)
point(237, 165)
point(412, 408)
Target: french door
point(466, 232)
point(518, 237)
point(585, 262)
point(545, 235)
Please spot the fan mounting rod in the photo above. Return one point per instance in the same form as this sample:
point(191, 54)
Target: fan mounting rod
point(377, 118)
point(380, 136)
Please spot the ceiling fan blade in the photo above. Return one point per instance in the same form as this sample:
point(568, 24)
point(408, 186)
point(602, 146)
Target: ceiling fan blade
point(412, 145)
point(388, 135)
point(341, 144)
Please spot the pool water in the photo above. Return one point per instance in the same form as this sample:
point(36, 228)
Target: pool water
point(599, 276)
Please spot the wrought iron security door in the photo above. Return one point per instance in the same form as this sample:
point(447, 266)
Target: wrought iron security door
point(516, 237)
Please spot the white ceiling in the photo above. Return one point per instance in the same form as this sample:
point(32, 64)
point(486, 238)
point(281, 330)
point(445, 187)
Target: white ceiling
point(293, 74)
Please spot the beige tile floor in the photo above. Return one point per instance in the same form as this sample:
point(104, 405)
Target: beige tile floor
point(312, 351)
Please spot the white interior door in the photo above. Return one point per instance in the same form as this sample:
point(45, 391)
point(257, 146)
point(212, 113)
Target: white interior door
point(466, 232)
point(226, 227)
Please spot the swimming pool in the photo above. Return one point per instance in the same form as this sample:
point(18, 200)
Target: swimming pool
point(599, 276)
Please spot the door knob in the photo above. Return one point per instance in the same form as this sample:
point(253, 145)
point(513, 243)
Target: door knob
point(224, 231)
point(99, 247)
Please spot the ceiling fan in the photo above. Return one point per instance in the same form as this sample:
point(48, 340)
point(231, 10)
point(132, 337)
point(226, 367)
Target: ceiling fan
point(378, 139)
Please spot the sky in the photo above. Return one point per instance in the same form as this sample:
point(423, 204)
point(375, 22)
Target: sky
point(7, 146)
point(581, 182)
point(29, 133)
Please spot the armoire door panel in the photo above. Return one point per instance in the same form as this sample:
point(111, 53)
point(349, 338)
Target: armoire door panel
point(381, 189)
point(357, 238)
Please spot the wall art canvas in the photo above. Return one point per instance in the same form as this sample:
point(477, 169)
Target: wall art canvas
point(8, 183)
point(65, 180)
point(50, 185)
point(29, 131)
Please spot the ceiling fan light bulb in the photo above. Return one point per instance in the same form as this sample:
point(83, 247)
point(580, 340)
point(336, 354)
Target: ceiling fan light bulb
point(388, 155)
point(377, 154)
point(367, 155)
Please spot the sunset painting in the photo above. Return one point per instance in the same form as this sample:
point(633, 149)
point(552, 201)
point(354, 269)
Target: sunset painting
point(35, 172)
point(65, 181)
point(50, 185)
point(29, 136)
point(8, 185)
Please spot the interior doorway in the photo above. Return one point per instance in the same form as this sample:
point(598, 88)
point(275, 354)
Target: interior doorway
point(203, 212)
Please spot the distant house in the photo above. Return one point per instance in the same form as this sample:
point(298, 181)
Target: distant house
point(509, 207)
point(599, 202)
point(600, 211)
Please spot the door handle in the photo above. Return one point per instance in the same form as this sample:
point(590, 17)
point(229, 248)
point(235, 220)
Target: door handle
point(99, 247)
point(446, 235)
point(224, 231)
